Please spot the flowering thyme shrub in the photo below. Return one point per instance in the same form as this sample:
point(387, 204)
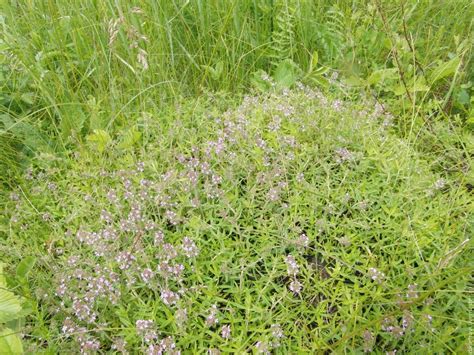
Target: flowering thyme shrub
point(294, 222)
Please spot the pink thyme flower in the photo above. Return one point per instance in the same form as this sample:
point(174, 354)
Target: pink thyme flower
point(147, 274)
point(169, 297)
point(212, 317)
point(189, 247)
point(292, 266)
point(295, 286)
point(225, 331)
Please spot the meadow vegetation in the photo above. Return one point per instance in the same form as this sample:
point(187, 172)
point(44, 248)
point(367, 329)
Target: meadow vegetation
point(274, 176)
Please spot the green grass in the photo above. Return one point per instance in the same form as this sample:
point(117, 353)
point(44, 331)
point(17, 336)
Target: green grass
point(335, 132)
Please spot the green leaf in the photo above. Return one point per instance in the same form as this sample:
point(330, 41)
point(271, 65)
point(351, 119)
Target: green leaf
point(100, 139)
point(380, 75)
point(28, 97)
point(218, 70)
point(72, 120)
point(462, 97)
point(215, 72)
point(314, 60)
point(10, 342)
point(3, 281)
point(286, 73)
point(25, 266)
point(418, 85)
point(259, 82)
point(129, 138)
point(444, 69)
point(9, 306)
point(355, 81)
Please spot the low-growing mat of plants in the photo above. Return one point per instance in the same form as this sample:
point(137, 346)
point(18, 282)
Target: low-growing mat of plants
point(292, 222)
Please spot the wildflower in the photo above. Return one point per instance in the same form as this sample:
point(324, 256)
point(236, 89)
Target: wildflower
point(145, 329)
point(167, 270)
point(300, 177)
point(112, 197)
point(189, 247)
point(412, 292)
point(277, 334)
point(292, 266)
point(147, 274)
point(273, 194)
point(303, 240)
point(106, 216)
point(119, 345)
point(343, 155)
point(159, 238)
point(143, 325)
point(172, 217)
point(345, 241)
point(69, 327)
point(261, 347)
point(295, 286)
point(428, 319)
point(168, 251)
point(167, 344)
point(169, 297)
point(368, 341)
point(90, 345)
point(225, 331)
point(212, 317)
point(125, 260)
point(83, 311)
point(439, 184)
point(376, 275)
point(407, 320)
point(140, 166)
point(181, 316)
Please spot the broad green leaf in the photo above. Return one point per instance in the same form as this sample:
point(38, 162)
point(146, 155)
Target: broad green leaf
point(129, 138)
point(259, 82)
point(72, 120)
point(286, 73)
point(9, 306)
point(314, 60)
point(10, 342)
point(319, 80)
point(380, 75)
point(218, 70)
point(462, 97)
point(418, 85)
point(25, 266)
point(100, 138)
point(444, 69)
point(215, 72)
point(355, 81)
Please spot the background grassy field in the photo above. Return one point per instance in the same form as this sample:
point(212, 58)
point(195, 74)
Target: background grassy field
point(347, 147)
